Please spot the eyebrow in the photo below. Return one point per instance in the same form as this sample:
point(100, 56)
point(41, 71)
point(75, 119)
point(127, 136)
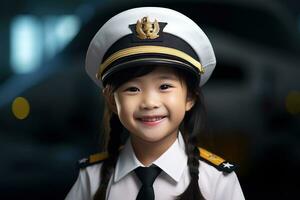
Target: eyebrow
point(159, 77)
point(171, 77)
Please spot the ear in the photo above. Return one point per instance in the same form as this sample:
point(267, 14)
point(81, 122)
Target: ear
point(110, 100)
point(190, 101)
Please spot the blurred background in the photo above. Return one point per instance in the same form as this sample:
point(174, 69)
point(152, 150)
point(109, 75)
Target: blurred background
point(51, 112)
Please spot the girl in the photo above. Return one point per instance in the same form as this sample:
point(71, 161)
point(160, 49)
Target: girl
point(150, 63)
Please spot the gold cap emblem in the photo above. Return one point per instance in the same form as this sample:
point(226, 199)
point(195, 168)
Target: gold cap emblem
point(146, 29)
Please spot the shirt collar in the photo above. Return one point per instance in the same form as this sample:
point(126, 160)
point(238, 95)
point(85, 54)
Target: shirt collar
point(172, 162)
point(127, 161)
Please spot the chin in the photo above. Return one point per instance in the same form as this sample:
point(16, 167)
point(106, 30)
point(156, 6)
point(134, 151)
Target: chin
point(148, 138)
point(152, 137)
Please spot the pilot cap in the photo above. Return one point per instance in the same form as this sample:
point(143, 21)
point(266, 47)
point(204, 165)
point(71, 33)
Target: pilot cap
point(149, 36)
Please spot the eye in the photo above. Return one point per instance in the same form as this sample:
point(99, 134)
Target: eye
point(131, 89)
point(165, 86)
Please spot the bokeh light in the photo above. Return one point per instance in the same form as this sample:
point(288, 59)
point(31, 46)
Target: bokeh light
point(21, 108)
point(292, 102)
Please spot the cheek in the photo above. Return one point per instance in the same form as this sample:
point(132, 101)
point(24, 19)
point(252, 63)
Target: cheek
point(176, 102)
point(124, 106)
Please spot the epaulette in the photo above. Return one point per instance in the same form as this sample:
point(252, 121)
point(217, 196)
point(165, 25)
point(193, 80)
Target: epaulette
point(216, 161)
point(92, 159)
point(206, 156)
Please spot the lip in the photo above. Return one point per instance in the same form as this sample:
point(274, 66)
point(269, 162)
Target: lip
point(151, 120)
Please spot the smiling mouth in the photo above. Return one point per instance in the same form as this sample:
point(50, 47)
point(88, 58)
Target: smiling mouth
point(151, 120)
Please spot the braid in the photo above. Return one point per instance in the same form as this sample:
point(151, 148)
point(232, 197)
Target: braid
point(192, 124)
point(193, 161)
point(108, 166)
point(193, 165)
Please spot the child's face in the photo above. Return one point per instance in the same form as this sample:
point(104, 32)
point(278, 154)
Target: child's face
point(152, 106)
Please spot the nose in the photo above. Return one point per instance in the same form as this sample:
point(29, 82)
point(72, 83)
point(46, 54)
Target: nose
point(150, 100)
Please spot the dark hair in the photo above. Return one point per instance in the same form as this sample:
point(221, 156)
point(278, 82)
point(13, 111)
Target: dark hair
point(190, 127)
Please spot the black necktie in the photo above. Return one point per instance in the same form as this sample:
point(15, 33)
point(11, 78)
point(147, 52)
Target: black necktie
point(147, 176)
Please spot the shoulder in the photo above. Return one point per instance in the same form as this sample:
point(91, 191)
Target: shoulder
point(216, 161)
point(88, 178)
point(90, 168)
point(217, 178)
point(217, 184)
point(92, 160)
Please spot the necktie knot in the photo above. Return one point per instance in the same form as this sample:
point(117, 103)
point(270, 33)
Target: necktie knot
point(147, 175)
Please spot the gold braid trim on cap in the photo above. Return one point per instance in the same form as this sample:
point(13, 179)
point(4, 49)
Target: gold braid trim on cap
point(148, 49)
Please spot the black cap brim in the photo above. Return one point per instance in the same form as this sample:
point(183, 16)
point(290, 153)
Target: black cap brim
point(151, 62)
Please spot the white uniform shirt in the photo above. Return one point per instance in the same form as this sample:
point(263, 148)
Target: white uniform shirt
point(172, 181)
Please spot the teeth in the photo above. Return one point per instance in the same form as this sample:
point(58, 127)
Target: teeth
point(152, 119)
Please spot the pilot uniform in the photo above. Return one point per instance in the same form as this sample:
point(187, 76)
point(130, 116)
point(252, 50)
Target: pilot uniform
point(217, 180)
point(150, 36)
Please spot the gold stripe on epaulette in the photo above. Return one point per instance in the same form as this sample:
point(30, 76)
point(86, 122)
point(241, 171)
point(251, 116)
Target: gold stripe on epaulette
point(98, 157)
point(214, 159)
